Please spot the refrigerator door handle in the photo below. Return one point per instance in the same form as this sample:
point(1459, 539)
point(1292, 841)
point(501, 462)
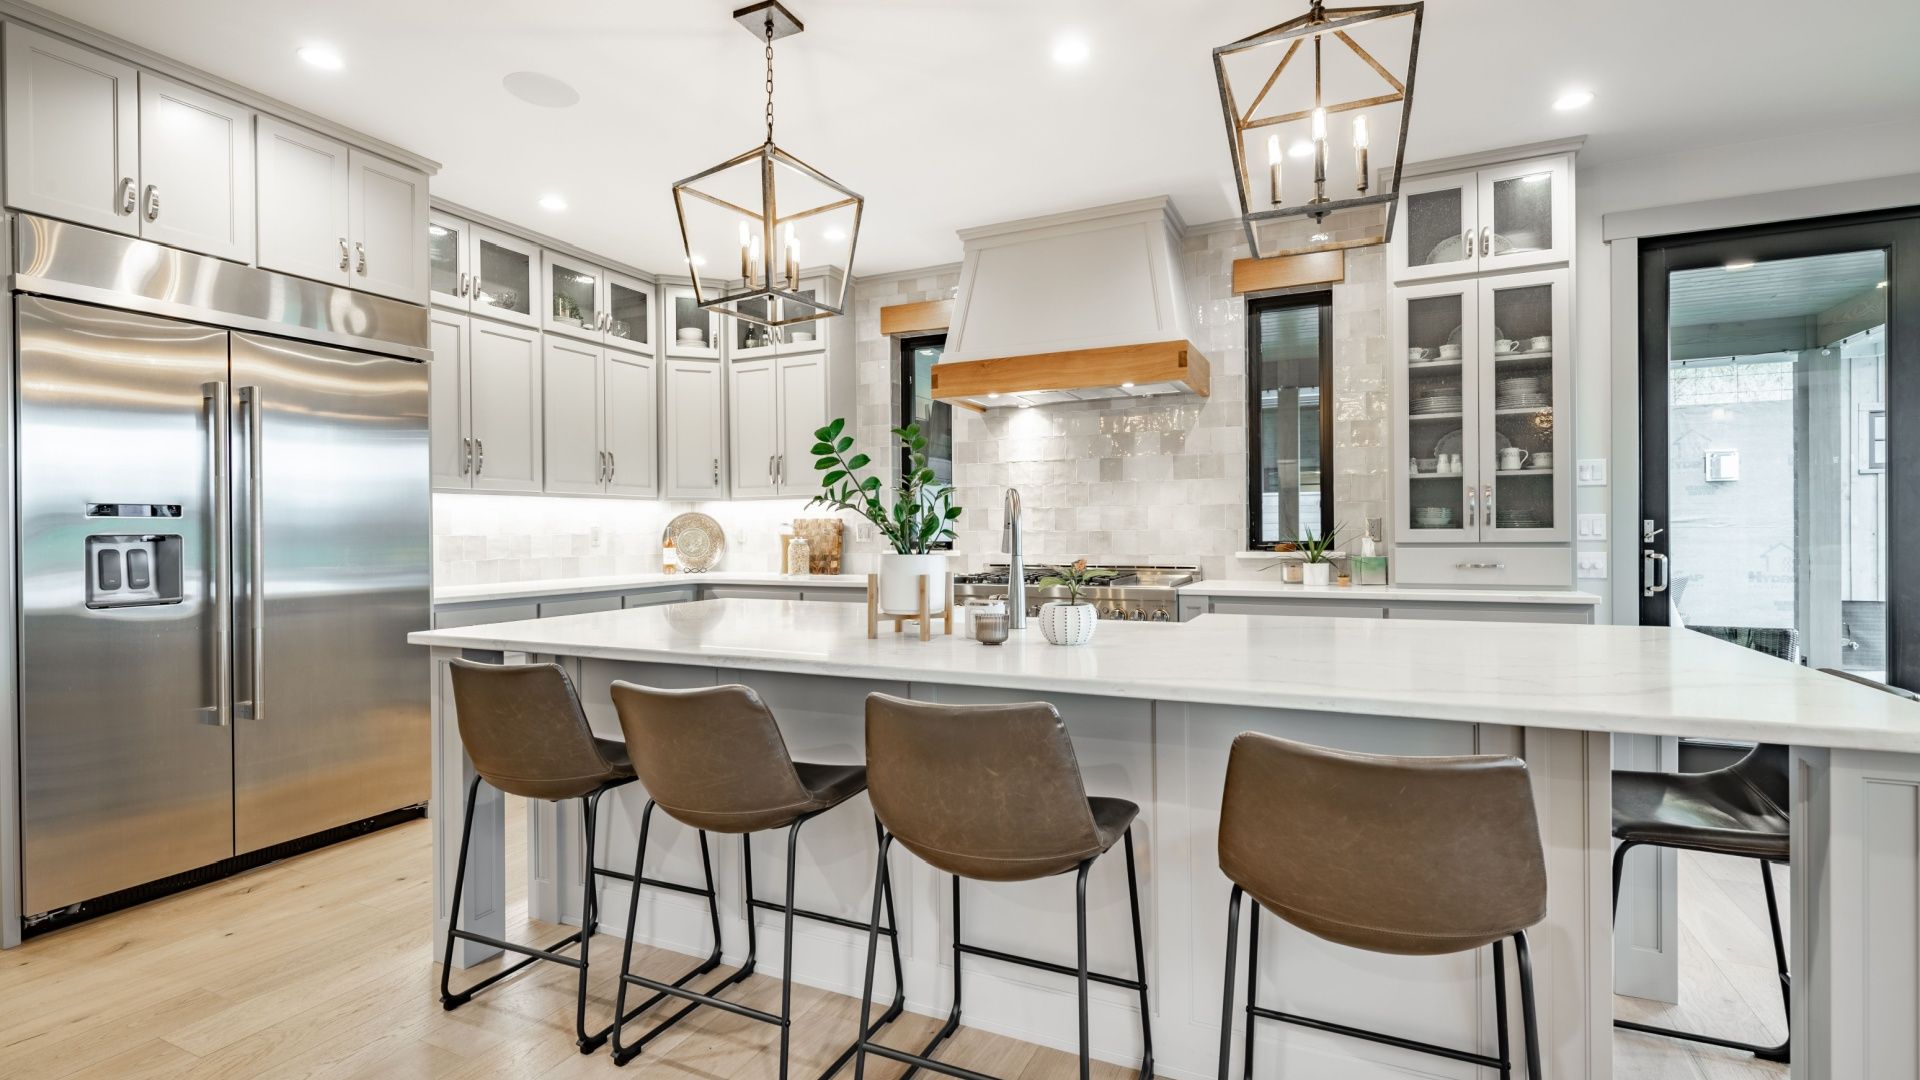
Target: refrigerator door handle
point(256, 592)
point(221, 582)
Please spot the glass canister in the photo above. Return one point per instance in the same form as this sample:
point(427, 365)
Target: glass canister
point(1290, 571)
point(799, 557)
point(989, 622)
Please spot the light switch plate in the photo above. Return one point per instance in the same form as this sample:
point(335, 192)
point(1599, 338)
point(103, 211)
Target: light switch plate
point(1591, 472)
point(1591, 527)
point(1590, 564)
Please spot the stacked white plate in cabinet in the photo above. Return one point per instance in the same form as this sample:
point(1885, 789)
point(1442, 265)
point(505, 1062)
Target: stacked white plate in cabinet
point(1438, 399)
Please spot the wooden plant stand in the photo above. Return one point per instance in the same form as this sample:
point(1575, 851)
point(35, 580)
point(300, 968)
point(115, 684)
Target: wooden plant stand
point(875, 616)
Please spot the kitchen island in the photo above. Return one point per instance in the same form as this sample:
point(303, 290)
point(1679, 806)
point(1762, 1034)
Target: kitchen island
point(1153, 709)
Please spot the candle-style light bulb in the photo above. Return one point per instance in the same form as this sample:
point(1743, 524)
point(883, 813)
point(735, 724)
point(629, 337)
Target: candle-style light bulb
point(1319, 155)
point(746, 264)
point(1360, 150)
point(753, 260)
point(793, 260)
point(1319, 125)
point(1273, 167)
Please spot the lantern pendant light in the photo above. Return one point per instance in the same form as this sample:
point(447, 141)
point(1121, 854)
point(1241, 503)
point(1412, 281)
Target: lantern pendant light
point(1343, 73)
point(775, 210)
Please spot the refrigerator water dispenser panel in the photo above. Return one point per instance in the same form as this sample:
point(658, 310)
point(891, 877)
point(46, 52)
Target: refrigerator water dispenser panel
point(133, 570)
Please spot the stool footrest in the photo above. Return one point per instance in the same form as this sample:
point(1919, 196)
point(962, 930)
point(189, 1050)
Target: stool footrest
point(921, 1062)
point(1047, 965)
point(817, 916)
point(1764, 1053)
point(1467, 1056)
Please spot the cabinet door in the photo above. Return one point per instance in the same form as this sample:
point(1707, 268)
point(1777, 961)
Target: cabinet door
point(754, 434)
point(1526, 349)
point(447, 419)
point(449, 276)
point(807, 336)
point(803, 410)
point(1526, 214)
point(1436, 366)
point(72, 134)
point(505, 276)
point(692, 331)
point(571, 297)
point(1437, 229)
point(629, 314)
point(750, 340)
point(504, 395)
point(630, 424)
point(570, 385)
point(302, 189)
point(694, 426)
point(196, 170)
point(387, 210)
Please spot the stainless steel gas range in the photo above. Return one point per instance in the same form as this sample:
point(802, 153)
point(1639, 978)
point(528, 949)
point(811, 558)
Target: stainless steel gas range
point(1135, 593)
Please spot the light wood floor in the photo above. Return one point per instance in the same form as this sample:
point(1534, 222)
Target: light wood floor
point(321, 967)
point(1727, 981)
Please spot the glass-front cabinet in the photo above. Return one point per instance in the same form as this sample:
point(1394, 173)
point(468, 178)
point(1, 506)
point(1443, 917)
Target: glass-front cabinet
point(448, 241)
point(473, 268)
point(750, 341)
point(692, 331)
point(1502, 217)
point(1481, 366)
point(588, 301)
point(629, 304)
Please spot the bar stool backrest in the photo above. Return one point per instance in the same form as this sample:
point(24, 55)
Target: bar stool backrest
point(1765, 770)
point(525, 731)
point(711, 756)
point(1410, 855)
point(984, 791)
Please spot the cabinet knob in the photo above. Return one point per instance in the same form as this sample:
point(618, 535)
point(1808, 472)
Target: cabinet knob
point(153, 202)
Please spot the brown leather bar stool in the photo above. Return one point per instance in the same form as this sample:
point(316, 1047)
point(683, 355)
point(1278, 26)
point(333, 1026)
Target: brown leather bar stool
point(526, 734)
point(1738, 810)
point(993, 793)
point(1414, 856)
point(714, 760)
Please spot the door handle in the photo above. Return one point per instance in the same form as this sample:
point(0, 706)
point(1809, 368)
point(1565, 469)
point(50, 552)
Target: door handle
point(1472, 504)
point(716, 472)
point(1655, 572)
point(153, 202)
point(769, 468)
point(343, 253)
point(466, 456)
point(1486, 507)
point(250, 403)
point(360, 257)
point(780, 469)
point(460, 289)
point(124, 203)
point(220, 583)
point(479, 457)
point(613, 466)
point(1486, 240)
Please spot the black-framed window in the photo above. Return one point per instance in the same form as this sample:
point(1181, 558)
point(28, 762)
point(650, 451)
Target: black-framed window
point(1289, 418)
point(916, 406)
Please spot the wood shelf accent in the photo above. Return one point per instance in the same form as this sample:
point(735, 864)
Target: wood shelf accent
point(1289, 271)
point(923, 317)
point(1077, 369)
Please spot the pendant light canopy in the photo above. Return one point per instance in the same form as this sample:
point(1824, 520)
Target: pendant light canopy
point(1332, 76)
point(755, 224)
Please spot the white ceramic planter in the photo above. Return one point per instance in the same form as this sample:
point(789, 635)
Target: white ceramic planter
point(1066, 623)
point(1316, 573)
point(900, 583)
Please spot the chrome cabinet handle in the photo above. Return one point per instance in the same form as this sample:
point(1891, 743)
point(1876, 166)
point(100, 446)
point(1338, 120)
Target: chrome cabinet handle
point(124, 203)
point(716, 472)
point(1486, 506)
point(153, 202)
point(1479, 566)
point(460, 289)
point(466, 456)
point(479, 457)
point(360, 257)
point(780, 469)
point(1650, 581)
point(250, 402)
point(215, 394)
point(613, 466)
point(769, 468)
point(1486, 240)
point(343, 253)
point(1473, 503)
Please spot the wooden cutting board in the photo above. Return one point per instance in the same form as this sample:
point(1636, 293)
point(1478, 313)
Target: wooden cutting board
point(823, 536)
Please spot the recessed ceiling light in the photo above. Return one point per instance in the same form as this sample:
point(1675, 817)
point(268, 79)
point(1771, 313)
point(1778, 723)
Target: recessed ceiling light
point(324, 57)
point(697, 259)
point(835, 235)
point(1071, 51)
point(1301, 149)
point(543, 90)
point(554, 203)
point(1739, 264)
point(1573, 99)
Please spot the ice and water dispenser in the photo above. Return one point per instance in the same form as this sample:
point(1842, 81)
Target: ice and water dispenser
point(134, 569)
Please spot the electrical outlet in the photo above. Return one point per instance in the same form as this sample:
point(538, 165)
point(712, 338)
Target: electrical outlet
point(1591, 564)
point(1592, 527)
point(594, 538)
point(1591, 472)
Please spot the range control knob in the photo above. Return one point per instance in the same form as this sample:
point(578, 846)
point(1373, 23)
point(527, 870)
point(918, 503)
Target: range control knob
point(1162, 616)
point(1136, 615)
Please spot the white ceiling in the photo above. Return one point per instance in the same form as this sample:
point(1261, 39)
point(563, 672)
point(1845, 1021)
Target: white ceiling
point(946, 115)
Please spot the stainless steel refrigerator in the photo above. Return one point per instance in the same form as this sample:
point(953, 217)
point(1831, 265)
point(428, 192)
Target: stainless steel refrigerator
point(222, 542)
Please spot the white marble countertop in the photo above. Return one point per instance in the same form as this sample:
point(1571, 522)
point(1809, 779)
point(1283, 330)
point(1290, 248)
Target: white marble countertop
point(1377, 593)
point(522, 590)
point(1640, 680)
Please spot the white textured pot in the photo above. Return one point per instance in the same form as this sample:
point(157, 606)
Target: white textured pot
point(1066, 623)
point(900, 583)
point(1316, 573)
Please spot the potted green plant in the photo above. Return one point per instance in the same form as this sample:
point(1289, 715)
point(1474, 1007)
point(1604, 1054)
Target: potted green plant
point(1071, 621)
point(921, 516)
point(1316, 550)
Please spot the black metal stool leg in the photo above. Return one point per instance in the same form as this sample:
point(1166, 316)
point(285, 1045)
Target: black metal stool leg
point(447, 997)
point(589, 920)
point(786, 947)
point(1080, 928)
point(863, 1036)
point(1529, 1018)
point(1226, 995)
point(624, 1052)
point(1253, 984)
point(1500, 1011)
point(1140, 964)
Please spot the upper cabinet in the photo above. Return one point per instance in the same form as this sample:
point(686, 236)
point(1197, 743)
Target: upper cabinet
point(691, 330)
point(340, 215)
point(96, 141)
point(751, 341)
point(1513, 216)
point(474, 268)
point(590, 302)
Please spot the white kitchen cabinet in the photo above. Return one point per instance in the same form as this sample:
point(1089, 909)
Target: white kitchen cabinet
point(1511, 216)
point(485, 405)
point(340, 215)
point(751, 341)
point(694, 410)
point(72, 132)
point(753, 400)
point(599, 420)
point(590, 302)
point(196, 170)
point(691, 331)
point(803, 410)
point(449, 267)
point(480, 270)
point(387, 212)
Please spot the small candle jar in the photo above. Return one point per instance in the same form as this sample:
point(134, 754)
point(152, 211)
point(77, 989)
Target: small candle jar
point(990, 622)
point(1290, 571)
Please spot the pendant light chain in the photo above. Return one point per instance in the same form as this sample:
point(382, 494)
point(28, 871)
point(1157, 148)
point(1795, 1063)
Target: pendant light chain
point(769, 80)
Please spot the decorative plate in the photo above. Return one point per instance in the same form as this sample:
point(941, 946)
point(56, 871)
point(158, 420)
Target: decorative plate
point(698, 541)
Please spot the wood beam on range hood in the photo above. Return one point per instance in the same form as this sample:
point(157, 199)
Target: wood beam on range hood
point(1173, 365)
point(921, 318)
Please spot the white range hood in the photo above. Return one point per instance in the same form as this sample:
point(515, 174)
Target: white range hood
point(1071, 307)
